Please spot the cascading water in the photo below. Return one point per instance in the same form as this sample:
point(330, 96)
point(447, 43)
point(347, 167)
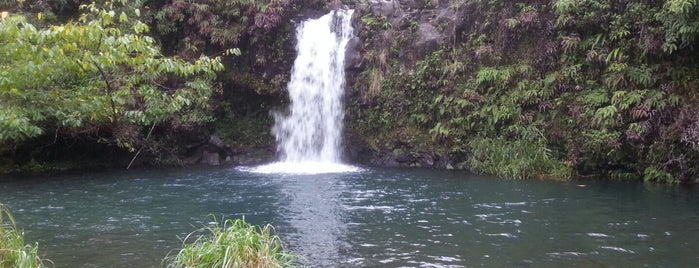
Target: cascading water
point(309, 136)
point(312, 129)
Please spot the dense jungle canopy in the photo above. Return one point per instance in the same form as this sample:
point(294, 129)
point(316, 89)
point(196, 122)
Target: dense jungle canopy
point(519, 89)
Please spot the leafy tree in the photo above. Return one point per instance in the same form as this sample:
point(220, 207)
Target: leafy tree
point(102, 74)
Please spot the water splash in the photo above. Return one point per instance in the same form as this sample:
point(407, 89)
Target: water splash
point(304, 168)
point(309, 135)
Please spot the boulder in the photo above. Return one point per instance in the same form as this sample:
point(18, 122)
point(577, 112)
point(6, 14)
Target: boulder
point(427, 159)
point(218, 142)
point(210, 158)
point(404, 158)
point(412, 4)
point(387, 8)
point(430, 38)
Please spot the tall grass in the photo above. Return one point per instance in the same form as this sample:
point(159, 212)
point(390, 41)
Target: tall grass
point(235, 244)
point(517, 159)
point(13, 252)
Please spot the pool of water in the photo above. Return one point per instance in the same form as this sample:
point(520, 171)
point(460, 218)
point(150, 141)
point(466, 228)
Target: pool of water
point(373, 218)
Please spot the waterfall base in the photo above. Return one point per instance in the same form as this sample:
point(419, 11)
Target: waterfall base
point(304, 168)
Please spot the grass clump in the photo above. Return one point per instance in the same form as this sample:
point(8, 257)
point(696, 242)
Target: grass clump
point(235, 244)
point(13, 252)
point(516, 159)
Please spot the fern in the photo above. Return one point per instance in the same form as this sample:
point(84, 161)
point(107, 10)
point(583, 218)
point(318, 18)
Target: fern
point(570, 43)
point(614, 56)
point(486, 75)
point(607, 115)
point(641, 75)
point(595, 97)
point(511, 23)
point(625, 100)
point(565, 6)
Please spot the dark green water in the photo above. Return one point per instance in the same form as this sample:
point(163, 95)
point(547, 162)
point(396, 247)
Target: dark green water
point(376, 218)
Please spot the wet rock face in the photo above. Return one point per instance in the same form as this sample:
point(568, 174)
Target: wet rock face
point(399, 158)
point(386, 8)
point(394, 33)
point(210, 158)
point(414, 26)
point(429, 38)
point(418, 27)
point(353, 56)
point(210, 153)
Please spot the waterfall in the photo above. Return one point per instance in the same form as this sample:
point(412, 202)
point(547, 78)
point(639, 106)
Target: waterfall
point(309, 134)
point(313, 128)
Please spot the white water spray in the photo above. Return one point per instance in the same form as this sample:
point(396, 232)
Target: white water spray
point(309, 136)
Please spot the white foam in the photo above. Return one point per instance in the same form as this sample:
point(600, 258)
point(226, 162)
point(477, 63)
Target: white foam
point(302, 168)
point(598, 235)
point(567, 253)
point(619, 249)
point(384, 208)
point(509, 235)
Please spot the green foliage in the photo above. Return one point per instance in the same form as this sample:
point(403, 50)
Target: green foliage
point(246, 133)
point(13, 252)
point(550, 89)
point(235, 244)
point(573, 87)
point(517, 159)
point(222, 23)
point(651, 174)
point(102, 72)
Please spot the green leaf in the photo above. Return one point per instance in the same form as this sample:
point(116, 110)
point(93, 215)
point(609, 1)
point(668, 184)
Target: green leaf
point(123, 17)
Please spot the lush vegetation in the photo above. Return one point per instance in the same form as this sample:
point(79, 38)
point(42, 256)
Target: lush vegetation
point(540, 89)
point(100, 77)
point(235, 244)
point(14, 253)
point(520, 89)
point(112, 79)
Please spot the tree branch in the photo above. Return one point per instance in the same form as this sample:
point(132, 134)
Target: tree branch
point(142, 146)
